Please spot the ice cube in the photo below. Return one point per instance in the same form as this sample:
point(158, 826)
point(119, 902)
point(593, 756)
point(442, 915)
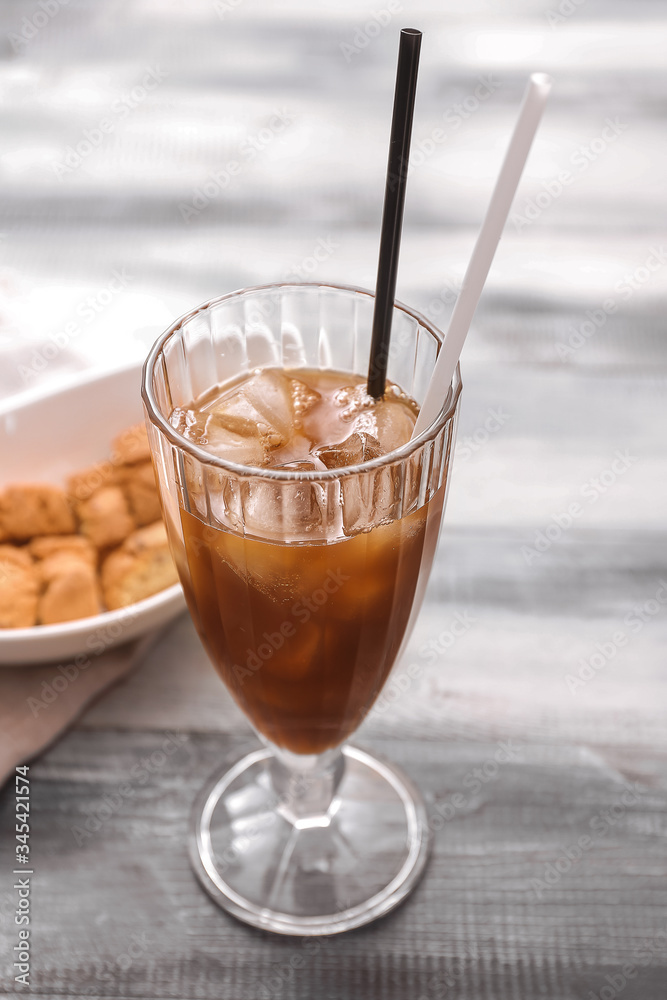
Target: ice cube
point(389, 420)
point(268, 390)
point(370, 498)
point(235, 447)
point(394, 422)
point(268, 568)
point(237, 415)
point(184, 421)
point(313, 465)
point(238, 418)
point(303, 398)
point(283, 511)
point(265, 562)
point(233, 436)
point(358, 447)
point(259, 408)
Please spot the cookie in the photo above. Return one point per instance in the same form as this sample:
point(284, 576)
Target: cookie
point(140, 490)
point(105, 518)
point(140, 567)
point(19, 588)
point(28, 509)
point(50, 545)
point(81, 485)
point(71, 588)
point(131, 446)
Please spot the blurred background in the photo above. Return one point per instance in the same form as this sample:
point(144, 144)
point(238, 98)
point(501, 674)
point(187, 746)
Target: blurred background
point(154, 153)
point(197, 148)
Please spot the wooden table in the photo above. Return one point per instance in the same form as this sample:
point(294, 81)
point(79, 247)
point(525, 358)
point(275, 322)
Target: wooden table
point(537, 735)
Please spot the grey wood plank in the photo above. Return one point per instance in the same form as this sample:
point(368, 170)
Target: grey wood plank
point(477, 917)
point(478, 926)
point(521, 665)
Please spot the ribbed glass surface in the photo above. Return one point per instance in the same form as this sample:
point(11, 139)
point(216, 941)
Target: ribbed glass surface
point(303, 586)
point(309, 326)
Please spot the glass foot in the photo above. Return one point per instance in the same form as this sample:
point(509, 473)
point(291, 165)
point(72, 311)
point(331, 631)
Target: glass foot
point(321, 874)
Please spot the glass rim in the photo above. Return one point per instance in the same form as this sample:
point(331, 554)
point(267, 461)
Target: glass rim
point(158, 420)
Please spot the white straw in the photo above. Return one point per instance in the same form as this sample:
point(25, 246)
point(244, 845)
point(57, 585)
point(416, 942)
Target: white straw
point(530, 114)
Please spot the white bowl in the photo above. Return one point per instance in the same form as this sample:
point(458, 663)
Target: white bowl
point(47, 435)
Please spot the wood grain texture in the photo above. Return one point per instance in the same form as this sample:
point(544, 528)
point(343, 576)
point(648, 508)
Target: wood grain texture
point(478, 919)
point(502, 912)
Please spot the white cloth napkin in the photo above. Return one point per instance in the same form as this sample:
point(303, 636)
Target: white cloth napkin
point(38, 703)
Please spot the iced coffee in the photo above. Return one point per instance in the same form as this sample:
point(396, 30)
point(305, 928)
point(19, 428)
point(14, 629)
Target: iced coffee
point(302, 592)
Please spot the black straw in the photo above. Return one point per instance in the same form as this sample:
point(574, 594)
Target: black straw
point(392, 214)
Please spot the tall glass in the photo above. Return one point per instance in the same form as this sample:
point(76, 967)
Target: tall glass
point(303, 587)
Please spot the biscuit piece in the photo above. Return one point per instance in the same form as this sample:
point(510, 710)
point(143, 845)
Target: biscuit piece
point(140, 567)
point(131, 446)
point(28, 509)
point(71, 588)
point(74, 545)
point(19, 588)
point(81, 485)
point(140, 489)
point(105, 518)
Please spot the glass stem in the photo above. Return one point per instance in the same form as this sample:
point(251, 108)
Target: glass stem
point(305, 785)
